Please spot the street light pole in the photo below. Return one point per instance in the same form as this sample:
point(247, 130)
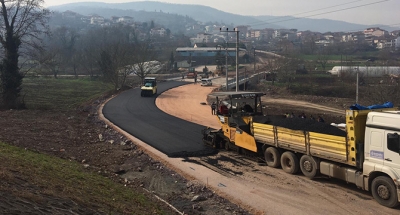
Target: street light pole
point(237, 55)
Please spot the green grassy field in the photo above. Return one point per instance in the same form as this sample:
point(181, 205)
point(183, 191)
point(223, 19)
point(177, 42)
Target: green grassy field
point(315, 57)
point(71, 181)
point(61, 94)
point(64, 178)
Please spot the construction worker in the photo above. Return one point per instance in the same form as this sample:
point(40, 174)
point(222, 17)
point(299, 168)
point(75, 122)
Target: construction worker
point(213, 108)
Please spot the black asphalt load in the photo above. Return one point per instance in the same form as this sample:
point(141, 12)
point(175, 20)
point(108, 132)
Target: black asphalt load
point(140, 117)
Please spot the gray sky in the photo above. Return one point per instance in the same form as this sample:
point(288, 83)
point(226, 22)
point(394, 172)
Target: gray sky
point(386, 12)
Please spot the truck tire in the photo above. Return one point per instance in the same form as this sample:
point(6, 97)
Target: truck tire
point(384, 191)
point(272, 157)
point(308, 166)
point(290, 163)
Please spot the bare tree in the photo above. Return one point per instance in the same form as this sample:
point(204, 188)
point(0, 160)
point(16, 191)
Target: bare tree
point(50, 59)
point(322, 59)
point(116, 53)
point(66, 39)
point(21, 23)
point(90, 44)
point(142, 57)
point(113, 63)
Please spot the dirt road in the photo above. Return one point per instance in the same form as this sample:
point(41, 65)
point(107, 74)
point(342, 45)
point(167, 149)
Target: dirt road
point(256, 186)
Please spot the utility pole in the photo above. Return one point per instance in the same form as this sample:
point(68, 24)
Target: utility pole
point(226, 66)
point(237, 54)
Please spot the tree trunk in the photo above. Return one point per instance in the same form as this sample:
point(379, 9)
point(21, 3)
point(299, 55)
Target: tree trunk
point(10, 76)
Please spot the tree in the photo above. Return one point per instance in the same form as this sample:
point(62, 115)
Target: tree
point(21, 24)
point(323, 58)
point(116, 54)
point(168, 32)
point(143, 56)
point(90, 45)
point(66, 39)
point(171, 60)
point(152, 25)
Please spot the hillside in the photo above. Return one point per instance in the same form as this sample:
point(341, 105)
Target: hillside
point(143, 11)
point(206, 14)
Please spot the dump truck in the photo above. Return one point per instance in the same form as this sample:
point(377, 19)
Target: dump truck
point(366, 154)
point(149, 87)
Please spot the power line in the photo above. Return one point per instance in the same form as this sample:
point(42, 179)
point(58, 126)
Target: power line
point(358, 6)
point(333, 6)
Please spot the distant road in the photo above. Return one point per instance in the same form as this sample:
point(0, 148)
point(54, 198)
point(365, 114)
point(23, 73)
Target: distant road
point(140, 117)
point(269, 53)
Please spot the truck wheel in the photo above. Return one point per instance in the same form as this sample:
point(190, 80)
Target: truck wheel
point(308, 166)
point(384, 191)
point(272, 157)
point(290, 163)
point(141, 94)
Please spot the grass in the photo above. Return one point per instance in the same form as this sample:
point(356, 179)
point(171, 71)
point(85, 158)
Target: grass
point(60, 94)
point(62, 178)
point(315, 57)
point(353, 58)
point(71, 181)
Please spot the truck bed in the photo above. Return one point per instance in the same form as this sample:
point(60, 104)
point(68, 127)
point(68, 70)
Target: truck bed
point(321, 145)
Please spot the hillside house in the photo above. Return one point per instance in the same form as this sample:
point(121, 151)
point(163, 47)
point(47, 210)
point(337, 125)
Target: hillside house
point(160, 32)
point(125, 20)
point(201, 38)
point(254, 34)
point(96, 20)
point(386, 42)
point(375, 32)
point(353, 37)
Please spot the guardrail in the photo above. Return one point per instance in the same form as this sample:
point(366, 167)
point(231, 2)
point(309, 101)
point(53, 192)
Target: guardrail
point(242, 79)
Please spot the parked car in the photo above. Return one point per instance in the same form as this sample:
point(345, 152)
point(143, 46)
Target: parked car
point(206, 82)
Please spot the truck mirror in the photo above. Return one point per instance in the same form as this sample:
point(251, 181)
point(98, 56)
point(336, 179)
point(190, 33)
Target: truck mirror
point(393, 142)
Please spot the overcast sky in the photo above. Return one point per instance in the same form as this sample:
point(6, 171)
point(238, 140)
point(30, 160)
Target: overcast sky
point(386, 12)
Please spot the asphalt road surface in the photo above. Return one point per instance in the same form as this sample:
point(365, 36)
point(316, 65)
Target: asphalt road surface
point(140, 117)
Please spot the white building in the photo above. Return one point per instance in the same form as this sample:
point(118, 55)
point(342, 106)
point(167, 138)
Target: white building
point(96, 20)
point(161, 32)
point(201, 38)
point(125, 19)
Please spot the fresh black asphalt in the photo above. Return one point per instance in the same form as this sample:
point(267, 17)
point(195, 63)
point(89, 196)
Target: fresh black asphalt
point(140, 117)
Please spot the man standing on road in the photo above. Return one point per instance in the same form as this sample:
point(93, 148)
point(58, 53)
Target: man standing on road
point(213, 108)
point(195, 79)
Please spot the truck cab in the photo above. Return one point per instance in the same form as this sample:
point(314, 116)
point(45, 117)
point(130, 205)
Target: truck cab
point(382, 155)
